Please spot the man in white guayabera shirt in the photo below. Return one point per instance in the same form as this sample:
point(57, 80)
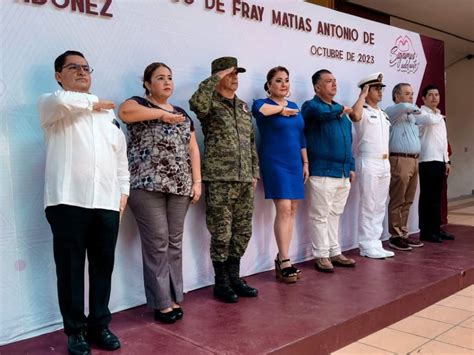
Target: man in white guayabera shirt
point(434, 166)
point(86, 190)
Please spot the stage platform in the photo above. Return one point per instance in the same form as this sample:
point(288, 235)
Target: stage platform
point(319, 314)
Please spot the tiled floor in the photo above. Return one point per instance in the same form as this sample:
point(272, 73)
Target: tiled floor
point(446, 327)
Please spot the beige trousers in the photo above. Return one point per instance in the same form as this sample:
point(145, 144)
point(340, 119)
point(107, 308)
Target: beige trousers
point(403, 182)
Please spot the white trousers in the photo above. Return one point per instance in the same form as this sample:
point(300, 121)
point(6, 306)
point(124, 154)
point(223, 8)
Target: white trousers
point(373, 176)
point(327, 198)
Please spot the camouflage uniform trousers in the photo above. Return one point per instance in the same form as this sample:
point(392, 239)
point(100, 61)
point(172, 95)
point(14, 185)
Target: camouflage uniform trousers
point(229, 208)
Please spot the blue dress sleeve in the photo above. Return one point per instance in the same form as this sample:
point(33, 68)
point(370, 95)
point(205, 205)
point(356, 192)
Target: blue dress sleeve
point(257, 104)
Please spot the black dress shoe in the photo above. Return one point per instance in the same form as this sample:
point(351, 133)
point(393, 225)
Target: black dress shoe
point(444, 235)
point(77, 345)
point(104, 339)
point(225, 293)
point(431, 238)
point(178, 312)
point(167, 318)
point(242, 289)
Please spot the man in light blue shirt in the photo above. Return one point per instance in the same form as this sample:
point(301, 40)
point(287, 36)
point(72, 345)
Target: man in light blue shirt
point(404, 149)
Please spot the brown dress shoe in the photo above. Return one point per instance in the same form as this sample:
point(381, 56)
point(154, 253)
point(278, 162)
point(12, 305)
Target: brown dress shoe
point(324, 265)
point(399, 243)
point(341, 260)
point(413, 242)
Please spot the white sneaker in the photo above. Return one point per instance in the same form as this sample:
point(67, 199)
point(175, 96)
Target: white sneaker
point(388, 253)
point(373, 253)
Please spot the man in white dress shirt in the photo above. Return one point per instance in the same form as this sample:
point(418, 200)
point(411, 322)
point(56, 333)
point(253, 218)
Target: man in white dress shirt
point(86, 190)
point(434, 166)
point(372, 127)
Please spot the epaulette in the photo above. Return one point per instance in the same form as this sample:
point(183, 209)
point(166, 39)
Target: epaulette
point(115, 122)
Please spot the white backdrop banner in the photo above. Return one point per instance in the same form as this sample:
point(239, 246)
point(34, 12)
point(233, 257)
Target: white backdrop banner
point(120, 38)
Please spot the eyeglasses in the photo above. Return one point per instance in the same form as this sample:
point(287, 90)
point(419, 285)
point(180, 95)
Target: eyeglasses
point(78, 67)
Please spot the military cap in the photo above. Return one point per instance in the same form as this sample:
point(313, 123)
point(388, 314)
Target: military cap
point(223, 63)
point(372, 79)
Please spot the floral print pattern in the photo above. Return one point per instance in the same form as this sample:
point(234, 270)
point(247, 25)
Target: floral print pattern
point(158, 154)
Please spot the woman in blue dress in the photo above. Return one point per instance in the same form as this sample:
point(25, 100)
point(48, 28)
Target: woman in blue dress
point(283, 162)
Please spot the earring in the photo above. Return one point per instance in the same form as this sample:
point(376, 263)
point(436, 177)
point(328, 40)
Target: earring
point(289, 94)
point(269, 93)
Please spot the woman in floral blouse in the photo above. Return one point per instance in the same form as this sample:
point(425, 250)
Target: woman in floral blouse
point(165, 171)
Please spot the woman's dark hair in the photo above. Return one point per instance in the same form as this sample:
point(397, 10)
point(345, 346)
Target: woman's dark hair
point(271, 73)
point(148, 73)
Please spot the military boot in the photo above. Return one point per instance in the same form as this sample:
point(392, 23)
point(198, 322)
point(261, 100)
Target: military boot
point(222, 289)
point(238, 285)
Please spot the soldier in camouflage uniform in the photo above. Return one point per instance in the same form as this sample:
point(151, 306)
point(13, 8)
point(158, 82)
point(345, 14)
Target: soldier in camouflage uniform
point(230, 173)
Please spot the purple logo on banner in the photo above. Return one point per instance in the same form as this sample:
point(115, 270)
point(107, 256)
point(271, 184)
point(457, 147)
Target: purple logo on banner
point(403, 56)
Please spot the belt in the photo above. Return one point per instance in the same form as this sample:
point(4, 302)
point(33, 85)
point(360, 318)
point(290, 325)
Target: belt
point(373, 155)
point(405, 155)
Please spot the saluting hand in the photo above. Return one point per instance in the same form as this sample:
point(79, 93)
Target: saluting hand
point(365, 91)
point(225, 72)
point(103, 105)
point(287, 112)
point(346, 111)
point(172, 118)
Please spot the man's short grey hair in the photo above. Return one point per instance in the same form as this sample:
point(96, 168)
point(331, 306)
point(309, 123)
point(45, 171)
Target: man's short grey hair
point(397, 89)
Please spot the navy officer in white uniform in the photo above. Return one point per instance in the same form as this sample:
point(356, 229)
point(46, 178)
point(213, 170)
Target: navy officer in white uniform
point(372, 127)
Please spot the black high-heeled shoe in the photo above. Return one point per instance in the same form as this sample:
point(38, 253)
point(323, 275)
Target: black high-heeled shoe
point(287, 274)
point(296, 271)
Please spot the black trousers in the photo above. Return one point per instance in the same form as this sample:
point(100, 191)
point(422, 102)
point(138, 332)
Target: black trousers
point(432, 175)
point(79, 231)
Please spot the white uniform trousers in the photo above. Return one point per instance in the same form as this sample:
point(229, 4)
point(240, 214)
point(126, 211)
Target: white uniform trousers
point(327, 198)
point(373, 175)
